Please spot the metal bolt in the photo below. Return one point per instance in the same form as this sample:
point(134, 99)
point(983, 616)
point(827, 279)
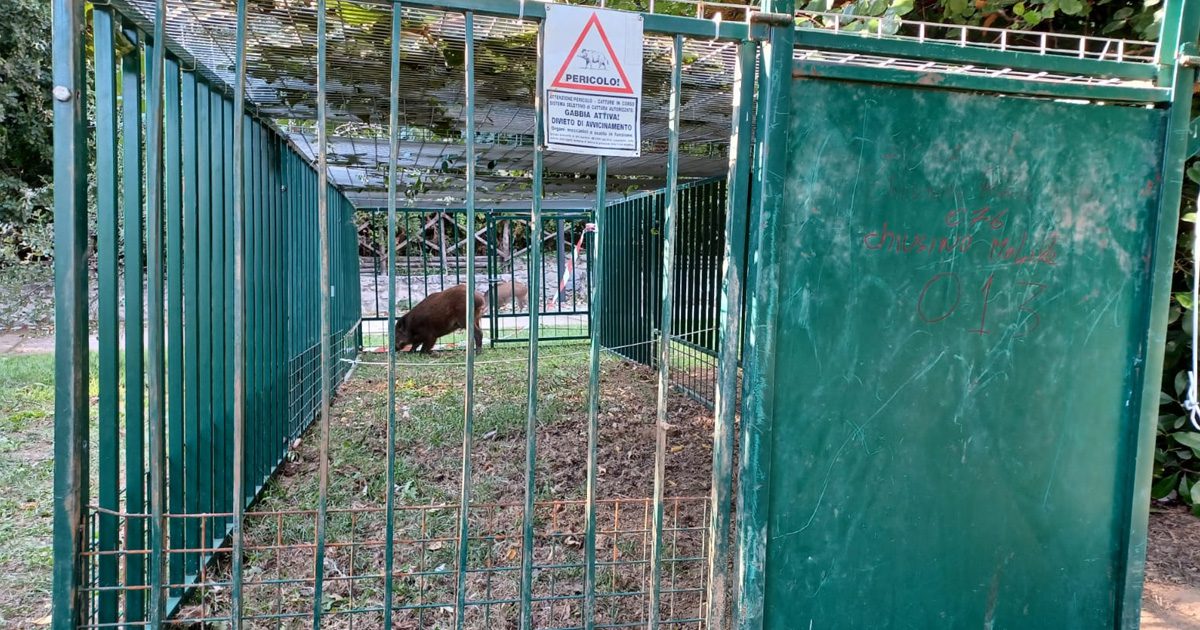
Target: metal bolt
point(62, 93)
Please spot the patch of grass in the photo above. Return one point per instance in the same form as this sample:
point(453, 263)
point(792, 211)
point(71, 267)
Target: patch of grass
point(26, 474)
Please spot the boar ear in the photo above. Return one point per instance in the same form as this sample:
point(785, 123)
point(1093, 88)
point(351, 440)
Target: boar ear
point(401, 324)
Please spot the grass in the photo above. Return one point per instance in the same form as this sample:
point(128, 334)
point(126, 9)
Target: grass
point(428, 435)
point(26, 474)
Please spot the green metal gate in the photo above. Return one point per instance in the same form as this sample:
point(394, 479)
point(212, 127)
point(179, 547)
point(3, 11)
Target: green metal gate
point(963, 268)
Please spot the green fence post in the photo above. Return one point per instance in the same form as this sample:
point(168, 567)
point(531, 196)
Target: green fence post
point(108, 280)
point(173, 192)
point(239, 315)
point(1179, 27)
point(393, 152)
point(156, 369)
point(325, 329)
point(593, 430)
point(670, 229)
point(70, 312)
point(531, 400)
point(768, 191)
point(725, 403)
point(191, 306)
point(135, 450)
point(464, 504)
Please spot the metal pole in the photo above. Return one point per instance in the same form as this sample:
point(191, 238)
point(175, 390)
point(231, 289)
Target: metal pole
point(70, 311)
point(560, 252)
point(325, 324)
point(108, 278)
point(670, 227)
point(239, 317)
point(596, 269)
point(535, 282)
point(135, 462)
point(393, 152)
point(464, 504)
point(725, 404)
point(1179, 27)
point(154, 303)
point(770, 149)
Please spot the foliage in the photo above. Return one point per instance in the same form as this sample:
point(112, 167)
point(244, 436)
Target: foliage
point(26, 150)
point(1177, 447)
point(1109, 18)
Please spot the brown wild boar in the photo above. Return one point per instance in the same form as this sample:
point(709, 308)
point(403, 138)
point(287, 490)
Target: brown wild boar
point(506, 291)
point(437, 315)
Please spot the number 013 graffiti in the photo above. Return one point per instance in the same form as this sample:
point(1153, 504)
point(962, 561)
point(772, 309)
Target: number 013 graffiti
point(932, 310)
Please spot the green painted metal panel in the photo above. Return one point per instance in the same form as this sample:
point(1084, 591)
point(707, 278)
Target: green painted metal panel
point(958, 360)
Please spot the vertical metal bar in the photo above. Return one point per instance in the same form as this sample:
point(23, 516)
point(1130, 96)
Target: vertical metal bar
point(202, 320)
point(172, 171)
point(393, 157)
point(191, 304)
point(535, 305)
point(156, 371)
point(239, 316)
point(231, 144)
point(596, 267)
point(135, 468)
point(725, 403)
point(324, 332)
point(1180, 25)
point(664, 339)
point(464, 503)
point(216, 416)
point(754, 461)
point(70, 311)
point(560, 251)
point(108, 279)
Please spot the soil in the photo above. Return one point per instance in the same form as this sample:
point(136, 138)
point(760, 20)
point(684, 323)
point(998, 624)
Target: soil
point(280, 534)
point(1171, 597)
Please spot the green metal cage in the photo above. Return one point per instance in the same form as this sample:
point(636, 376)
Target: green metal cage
point(233, 170)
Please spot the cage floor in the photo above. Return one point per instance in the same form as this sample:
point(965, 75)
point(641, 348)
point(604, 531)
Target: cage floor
point(280, 530)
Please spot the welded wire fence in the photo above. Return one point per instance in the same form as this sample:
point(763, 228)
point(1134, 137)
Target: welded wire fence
point(431, 257)
point(631, 309)
point(195, 235)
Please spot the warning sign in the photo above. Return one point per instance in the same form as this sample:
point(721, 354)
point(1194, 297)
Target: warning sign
point(593, 67)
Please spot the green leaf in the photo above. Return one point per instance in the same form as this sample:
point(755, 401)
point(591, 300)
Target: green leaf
point(1123, 13)
point(1194, 495)
point(1184, 298)
point(1071, 7)
point(1163, 487)
point(1190, 439)
point(1032, 17)
point(1189, 217)
point(1181, 384)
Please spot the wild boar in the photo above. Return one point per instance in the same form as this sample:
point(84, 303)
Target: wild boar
point(438, 315)
point(507, 291)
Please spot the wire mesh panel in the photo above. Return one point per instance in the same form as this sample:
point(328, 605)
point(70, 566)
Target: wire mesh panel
point(431, 258)
point(634, 231)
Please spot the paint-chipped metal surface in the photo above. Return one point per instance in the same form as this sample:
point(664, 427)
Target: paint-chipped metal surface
point(963, 303)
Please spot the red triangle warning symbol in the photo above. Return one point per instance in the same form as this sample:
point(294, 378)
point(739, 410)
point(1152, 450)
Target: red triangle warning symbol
point(590, 70)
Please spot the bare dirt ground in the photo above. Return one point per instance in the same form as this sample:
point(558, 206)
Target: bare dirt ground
point(1172, 593)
